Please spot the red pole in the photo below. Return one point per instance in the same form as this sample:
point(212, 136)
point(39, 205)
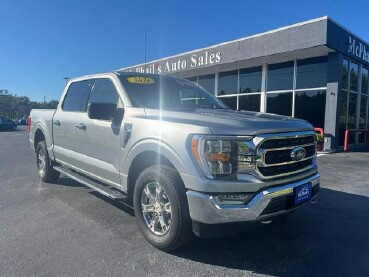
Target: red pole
point(345, 144)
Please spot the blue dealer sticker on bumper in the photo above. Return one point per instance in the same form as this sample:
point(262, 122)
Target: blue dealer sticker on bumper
point(303, 193)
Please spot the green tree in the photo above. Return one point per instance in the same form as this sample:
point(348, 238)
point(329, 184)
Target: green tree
point(14, 106)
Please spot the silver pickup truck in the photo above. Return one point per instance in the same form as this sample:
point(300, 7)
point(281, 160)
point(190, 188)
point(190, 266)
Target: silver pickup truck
point(186, 162)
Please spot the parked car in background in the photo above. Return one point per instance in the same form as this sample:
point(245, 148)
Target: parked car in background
point(22, 121)
point(7, 124)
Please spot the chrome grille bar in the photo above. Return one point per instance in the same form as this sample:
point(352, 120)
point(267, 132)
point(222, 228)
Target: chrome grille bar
point(289, 166)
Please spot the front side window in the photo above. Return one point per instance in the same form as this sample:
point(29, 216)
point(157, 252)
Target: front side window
point(104, 91)
point(77, 96)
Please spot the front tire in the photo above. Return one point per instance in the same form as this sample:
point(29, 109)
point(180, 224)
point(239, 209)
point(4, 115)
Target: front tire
point(44, 169)
point(161, 208)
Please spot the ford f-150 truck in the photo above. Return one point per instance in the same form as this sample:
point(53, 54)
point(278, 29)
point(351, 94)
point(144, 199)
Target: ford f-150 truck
point(186, 162)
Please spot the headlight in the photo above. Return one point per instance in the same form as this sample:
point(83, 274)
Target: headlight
point(224, 157)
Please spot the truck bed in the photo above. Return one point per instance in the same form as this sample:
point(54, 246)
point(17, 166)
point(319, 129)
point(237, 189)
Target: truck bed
point(43, 118)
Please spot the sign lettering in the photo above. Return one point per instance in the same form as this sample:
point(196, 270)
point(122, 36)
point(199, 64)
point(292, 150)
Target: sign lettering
point(194, 61)
point(358, 49)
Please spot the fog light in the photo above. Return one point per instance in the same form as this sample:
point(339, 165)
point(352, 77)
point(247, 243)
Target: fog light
point(235, 199)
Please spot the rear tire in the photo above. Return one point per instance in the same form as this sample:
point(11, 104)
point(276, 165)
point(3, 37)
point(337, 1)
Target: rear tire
point(161, 208)
point(44, 169)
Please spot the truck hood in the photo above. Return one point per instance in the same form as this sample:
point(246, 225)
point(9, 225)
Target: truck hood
point(229, 122)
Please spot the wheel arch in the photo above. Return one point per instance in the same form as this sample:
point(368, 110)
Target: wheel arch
point(39, 136)
point(144, 160)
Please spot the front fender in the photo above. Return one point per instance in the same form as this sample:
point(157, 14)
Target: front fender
point(178, 157)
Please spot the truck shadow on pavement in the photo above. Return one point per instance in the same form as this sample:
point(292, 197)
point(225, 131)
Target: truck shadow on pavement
point(329, 238)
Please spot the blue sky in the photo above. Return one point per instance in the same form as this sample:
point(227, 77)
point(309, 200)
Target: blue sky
point(43, 41)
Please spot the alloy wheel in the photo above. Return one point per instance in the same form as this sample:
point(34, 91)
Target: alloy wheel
point(156, 208)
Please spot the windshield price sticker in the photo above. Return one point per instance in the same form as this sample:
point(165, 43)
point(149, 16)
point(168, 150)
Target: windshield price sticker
point(141, 80)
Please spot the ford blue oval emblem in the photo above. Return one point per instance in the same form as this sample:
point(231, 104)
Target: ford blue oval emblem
point(298, 153)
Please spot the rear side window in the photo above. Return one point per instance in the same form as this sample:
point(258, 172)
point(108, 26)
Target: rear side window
point(104, 91)
point(77, 96)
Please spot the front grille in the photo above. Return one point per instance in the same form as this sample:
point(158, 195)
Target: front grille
point(282, 156)
point(287, 142)
point(283, 169)
point(276, 157)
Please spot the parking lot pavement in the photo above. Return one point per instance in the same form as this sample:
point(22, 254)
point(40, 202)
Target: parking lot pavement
point(66, 229)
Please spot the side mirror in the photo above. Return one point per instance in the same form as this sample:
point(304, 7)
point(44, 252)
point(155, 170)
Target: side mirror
point(102, 111)
point(118, 116)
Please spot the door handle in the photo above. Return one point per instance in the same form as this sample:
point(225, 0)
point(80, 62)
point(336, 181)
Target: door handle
point(81, 126)
point(56, 122)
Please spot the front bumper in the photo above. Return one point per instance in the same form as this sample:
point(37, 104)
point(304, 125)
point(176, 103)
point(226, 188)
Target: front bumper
point(269, 202)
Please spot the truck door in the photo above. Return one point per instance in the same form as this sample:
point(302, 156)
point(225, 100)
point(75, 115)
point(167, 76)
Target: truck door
point(65, 119)
point(98, 141)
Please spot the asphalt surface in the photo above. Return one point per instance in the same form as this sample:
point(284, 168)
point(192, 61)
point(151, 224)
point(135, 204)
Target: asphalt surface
point(65, 229)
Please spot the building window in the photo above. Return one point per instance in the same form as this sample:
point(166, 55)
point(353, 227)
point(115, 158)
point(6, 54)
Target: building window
point(347, 116)
point(280, 103)
point(363, 120)
point(250, 102)
point(311, 73)
point(345, 74)
point(342, 118)
point(280, 76)
point(351, 115)
point(364, 80)
point(354, 73)
point(208, 82)
point(228, 82)
point(230, 101)
point(250, 80)
point(192, 79)
point(363, 116)
point(310, 105)
point(349, 104)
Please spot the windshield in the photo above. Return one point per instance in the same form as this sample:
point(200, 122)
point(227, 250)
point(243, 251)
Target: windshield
point(161, 92)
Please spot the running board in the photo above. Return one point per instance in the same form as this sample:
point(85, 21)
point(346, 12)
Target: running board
point(104, 190)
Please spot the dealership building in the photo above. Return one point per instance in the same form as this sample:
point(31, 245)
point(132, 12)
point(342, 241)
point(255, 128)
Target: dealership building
point(315, 70)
